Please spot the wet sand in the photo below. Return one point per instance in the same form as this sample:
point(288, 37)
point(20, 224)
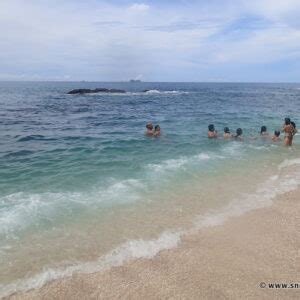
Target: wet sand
point(227, 261)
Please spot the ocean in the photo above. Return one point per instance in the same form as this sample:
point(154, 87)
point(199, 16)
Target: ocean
point(83, 189)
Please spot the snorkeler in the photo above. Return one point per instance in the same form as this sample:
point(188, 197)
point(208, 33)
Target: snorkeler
point(239, 133)
point(275, 137)
point(263, 131)
point(227, 134)
point(149, 129)
point(156, 130)
point(289, 132)
point(212, 133)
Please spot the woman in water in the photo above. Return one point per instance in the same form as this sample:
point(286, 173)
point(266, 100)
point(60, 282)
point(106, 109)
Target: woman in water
point(289, 132)
point(149, 129)
point(275, 137)
point(239, 133)
point(212, 133)
point(227, 134)
point(263, 131)
point(295, 129)
point(156, 130)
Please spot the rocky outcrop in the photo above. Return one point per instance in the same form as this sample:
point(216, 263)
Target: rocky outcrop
point(98, 90)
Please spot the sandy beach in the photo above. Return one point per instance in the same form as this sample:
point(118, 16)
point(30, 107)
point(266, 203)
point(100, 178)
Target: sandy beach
point(228, 261)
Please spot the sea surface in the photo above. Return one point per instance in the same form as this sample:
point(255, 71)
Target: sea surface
point(82, 188)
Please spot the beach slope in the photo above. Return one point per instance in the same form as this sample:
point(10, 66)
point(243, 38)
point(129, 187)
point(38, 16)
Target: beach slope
point(234, 260)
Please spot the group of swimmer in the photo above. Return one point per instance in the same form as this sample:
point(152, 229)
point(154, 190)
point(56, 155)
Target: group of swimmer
point(152, 131)
point(288, 128)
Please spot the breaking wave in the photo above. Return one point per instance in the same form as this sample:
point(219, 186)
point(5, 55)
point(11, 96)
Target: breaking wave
point(263, 196)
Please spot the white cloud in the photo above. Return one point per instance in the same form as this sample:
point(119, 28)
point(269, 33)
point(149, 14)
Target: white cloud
point(96, 40)
point(266, 46)
point(271, 8)
point(139, 7)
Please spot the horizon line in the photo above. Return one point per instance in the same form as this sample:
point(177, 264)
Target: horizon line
point(128, 81)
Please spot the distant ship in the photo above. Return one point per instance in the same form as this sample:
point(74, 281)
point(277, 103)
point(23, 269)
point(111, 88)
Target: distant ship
point(134, 80)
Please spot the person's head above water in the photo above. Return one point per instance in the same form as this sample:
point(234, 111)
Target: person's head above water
point(149, 126)
point(239, 132)
point(287, 121)
point(277, 133)
point(226, 130)
point(157, 128)
point(211, 127)
point(263, 129)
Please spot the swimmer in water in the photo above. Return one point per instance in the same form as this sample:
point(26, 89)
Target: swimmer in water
point(156, 130)
point(239, 133)
point(149, 129)
point(212, 133)
point(295, 129)
point(264, 132)
point(227, 134)
point(276, 136)
point(289, 132)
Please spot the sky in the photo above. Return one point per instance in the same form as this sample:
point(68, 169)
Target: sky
point(159, 40)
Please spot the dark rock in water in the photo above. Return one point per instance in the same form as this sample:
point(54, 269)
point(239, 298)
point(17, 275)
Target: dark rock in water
point(98, 90)
point(145, 91)
point(79, 91)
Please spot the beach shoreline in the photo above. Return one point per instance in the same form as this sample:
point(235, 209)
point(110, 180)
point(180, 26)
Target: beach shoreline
point(228, 261)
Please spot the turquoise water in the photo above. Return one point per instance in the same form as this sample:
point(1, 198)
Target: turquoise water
point(78, 177)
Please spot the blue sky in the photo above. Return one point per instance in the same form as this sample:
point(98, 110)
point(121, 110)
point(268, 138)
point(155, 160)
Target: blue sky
point(216, 40)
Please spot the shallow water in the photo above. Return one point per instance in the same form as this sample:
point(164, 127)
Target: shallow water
point(82, 188)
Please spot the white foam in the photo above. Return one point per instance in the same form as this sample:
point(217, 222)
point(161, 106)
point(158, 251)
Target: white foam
point(130, 250)
point(288, 163)
point(182, 162)
point(232, 149)
point(275, 185)
point(275, 177)
point(21, 210)
point(174, 92)
point(265, 194)
point(203, 156)
point(123, 191)
point(168, 165)
point(149, 92)
point(259, 147)
point(153, 92)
